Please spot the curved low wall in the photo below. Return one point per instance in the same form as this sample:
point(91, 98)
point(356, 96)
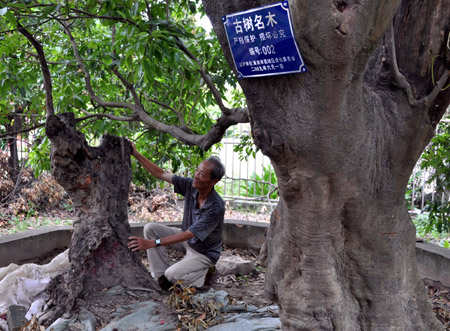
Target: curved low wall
point(35, 245)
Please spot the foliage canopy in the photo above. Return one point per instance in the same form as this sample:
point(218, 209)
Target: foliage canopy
point(146, 67)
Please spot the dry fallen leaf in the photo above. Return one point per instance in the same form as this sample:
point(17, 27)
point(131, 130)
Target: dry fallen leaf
point(201, 317)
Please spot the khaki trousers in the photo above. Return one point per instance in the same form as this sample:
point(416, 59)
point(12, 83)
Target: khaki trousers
point(191, 270)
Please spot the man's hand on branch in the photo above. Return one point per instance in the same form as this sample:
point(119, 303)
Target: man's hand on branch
point(133, 149)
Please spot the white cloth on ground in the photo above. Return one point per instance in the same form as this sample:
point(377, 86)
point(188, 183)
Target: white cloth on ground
point(24, 285)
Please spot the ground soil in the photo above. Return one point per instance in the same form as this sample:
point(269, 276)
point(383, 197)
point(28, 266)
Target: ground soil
point(248, 288)
point(162, 205)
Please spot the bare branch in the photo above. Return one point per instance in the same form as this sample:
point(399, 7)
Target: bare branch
point(37, 57)
point(87, 77)
point(397, 76)
point(113, 37)
point(167, 10)
point(116, 18)
point(217, 131)
point(129, 86)
point(427, 100)
point(194, 104)
point(109, 116)
point(28, 26)
point(205, 77)
point(180, 118)
point(5, 135)
point(44, 68)
point(402, 82)
point(11, 194)
point(149, 13)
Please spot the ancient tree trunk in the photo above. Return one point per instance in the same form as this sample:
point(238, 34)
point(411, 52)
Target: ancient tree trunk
point(97, 180)
point(343, 139)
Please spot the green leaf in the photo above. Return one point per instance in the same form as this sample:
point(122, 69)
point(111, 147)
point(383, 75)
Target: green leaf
point(47, 11)
point(11, 18)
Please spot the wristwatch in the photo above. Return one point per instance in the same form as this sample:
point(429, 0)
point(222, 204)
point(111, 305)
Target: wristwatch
point(158, 242)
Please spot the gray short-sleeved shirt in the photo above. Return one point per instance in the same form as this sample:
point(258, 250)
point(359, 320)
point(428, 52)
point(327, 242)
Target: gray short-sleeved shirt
point(206, 223)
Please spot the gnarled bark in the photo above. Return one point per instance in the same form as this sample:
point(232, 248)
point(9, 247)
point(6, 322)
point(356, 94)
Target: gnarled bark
point(97, 180)
point(343, 140)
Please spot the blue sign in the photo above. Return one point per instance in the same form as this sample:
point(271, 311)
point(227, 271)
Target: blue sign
point(262, 41)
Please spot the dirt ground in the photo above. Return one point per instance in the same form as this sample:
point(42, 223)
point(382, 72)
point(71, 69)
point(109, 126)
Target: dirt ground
point(161, 206)
point(248, 288)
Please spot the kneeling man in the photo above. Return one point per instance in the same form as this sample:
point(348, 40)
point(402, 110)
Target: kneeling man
point(200, 236)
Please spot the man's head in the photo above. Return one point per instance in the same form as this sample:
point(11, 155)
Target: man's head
point(208, 173)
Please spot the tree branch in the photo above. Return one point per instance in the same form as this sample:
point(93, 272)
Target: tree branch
point(116, 18)
point(205, 77)
point(37, 57)
point(217, 131)
point(129, 86)
point(229, 116)
point(5, 135)
point(194, 104)
point(401, 81)
point(427, 100)
point(180, 118)
point(397, 76)
point(109, 116)
point(87, 77)
point(44, 68)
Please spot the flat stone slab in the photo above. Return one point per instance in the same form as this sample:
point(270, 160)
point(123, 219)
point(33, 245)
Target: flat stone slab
point(234, 265)
point(147, 315)
point(141, 318)
point(16, 317)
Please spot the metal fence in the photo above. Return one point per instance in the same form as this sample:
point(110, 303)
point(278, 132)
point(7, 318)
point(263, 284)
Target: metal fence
point(22, 146)
point(422, 190)
point(246, 180)
point(242, 173)
point(252, 180)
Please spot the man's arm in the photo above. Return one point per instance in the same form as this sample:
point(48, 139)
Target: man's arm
point(150, 166)
point(137, 243)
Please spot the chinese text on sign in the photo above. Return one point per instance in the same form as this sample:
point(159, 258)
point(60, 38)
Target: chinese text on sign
point(262, 41)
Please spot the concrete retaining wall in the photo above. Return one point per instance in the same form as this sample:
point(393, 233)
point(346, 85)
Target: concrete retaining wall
point(34, 245)
point(434, 262)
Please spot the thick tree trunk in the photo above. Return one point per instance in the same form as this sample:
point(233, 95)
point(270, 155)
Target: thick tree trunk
point(343, 141)
point(97, 180)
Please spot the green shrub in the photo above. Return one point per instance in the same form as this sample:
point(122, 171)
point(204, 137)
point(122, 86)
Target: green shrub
point(437, 158)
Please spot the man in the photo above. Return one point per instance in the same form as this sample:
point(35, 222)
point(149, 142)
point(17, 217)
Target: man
point(200, 236)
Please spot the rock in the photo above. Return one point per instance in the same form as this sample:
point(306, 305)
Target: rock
point(16, 317)
point(233, 265)
point(144, 316)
